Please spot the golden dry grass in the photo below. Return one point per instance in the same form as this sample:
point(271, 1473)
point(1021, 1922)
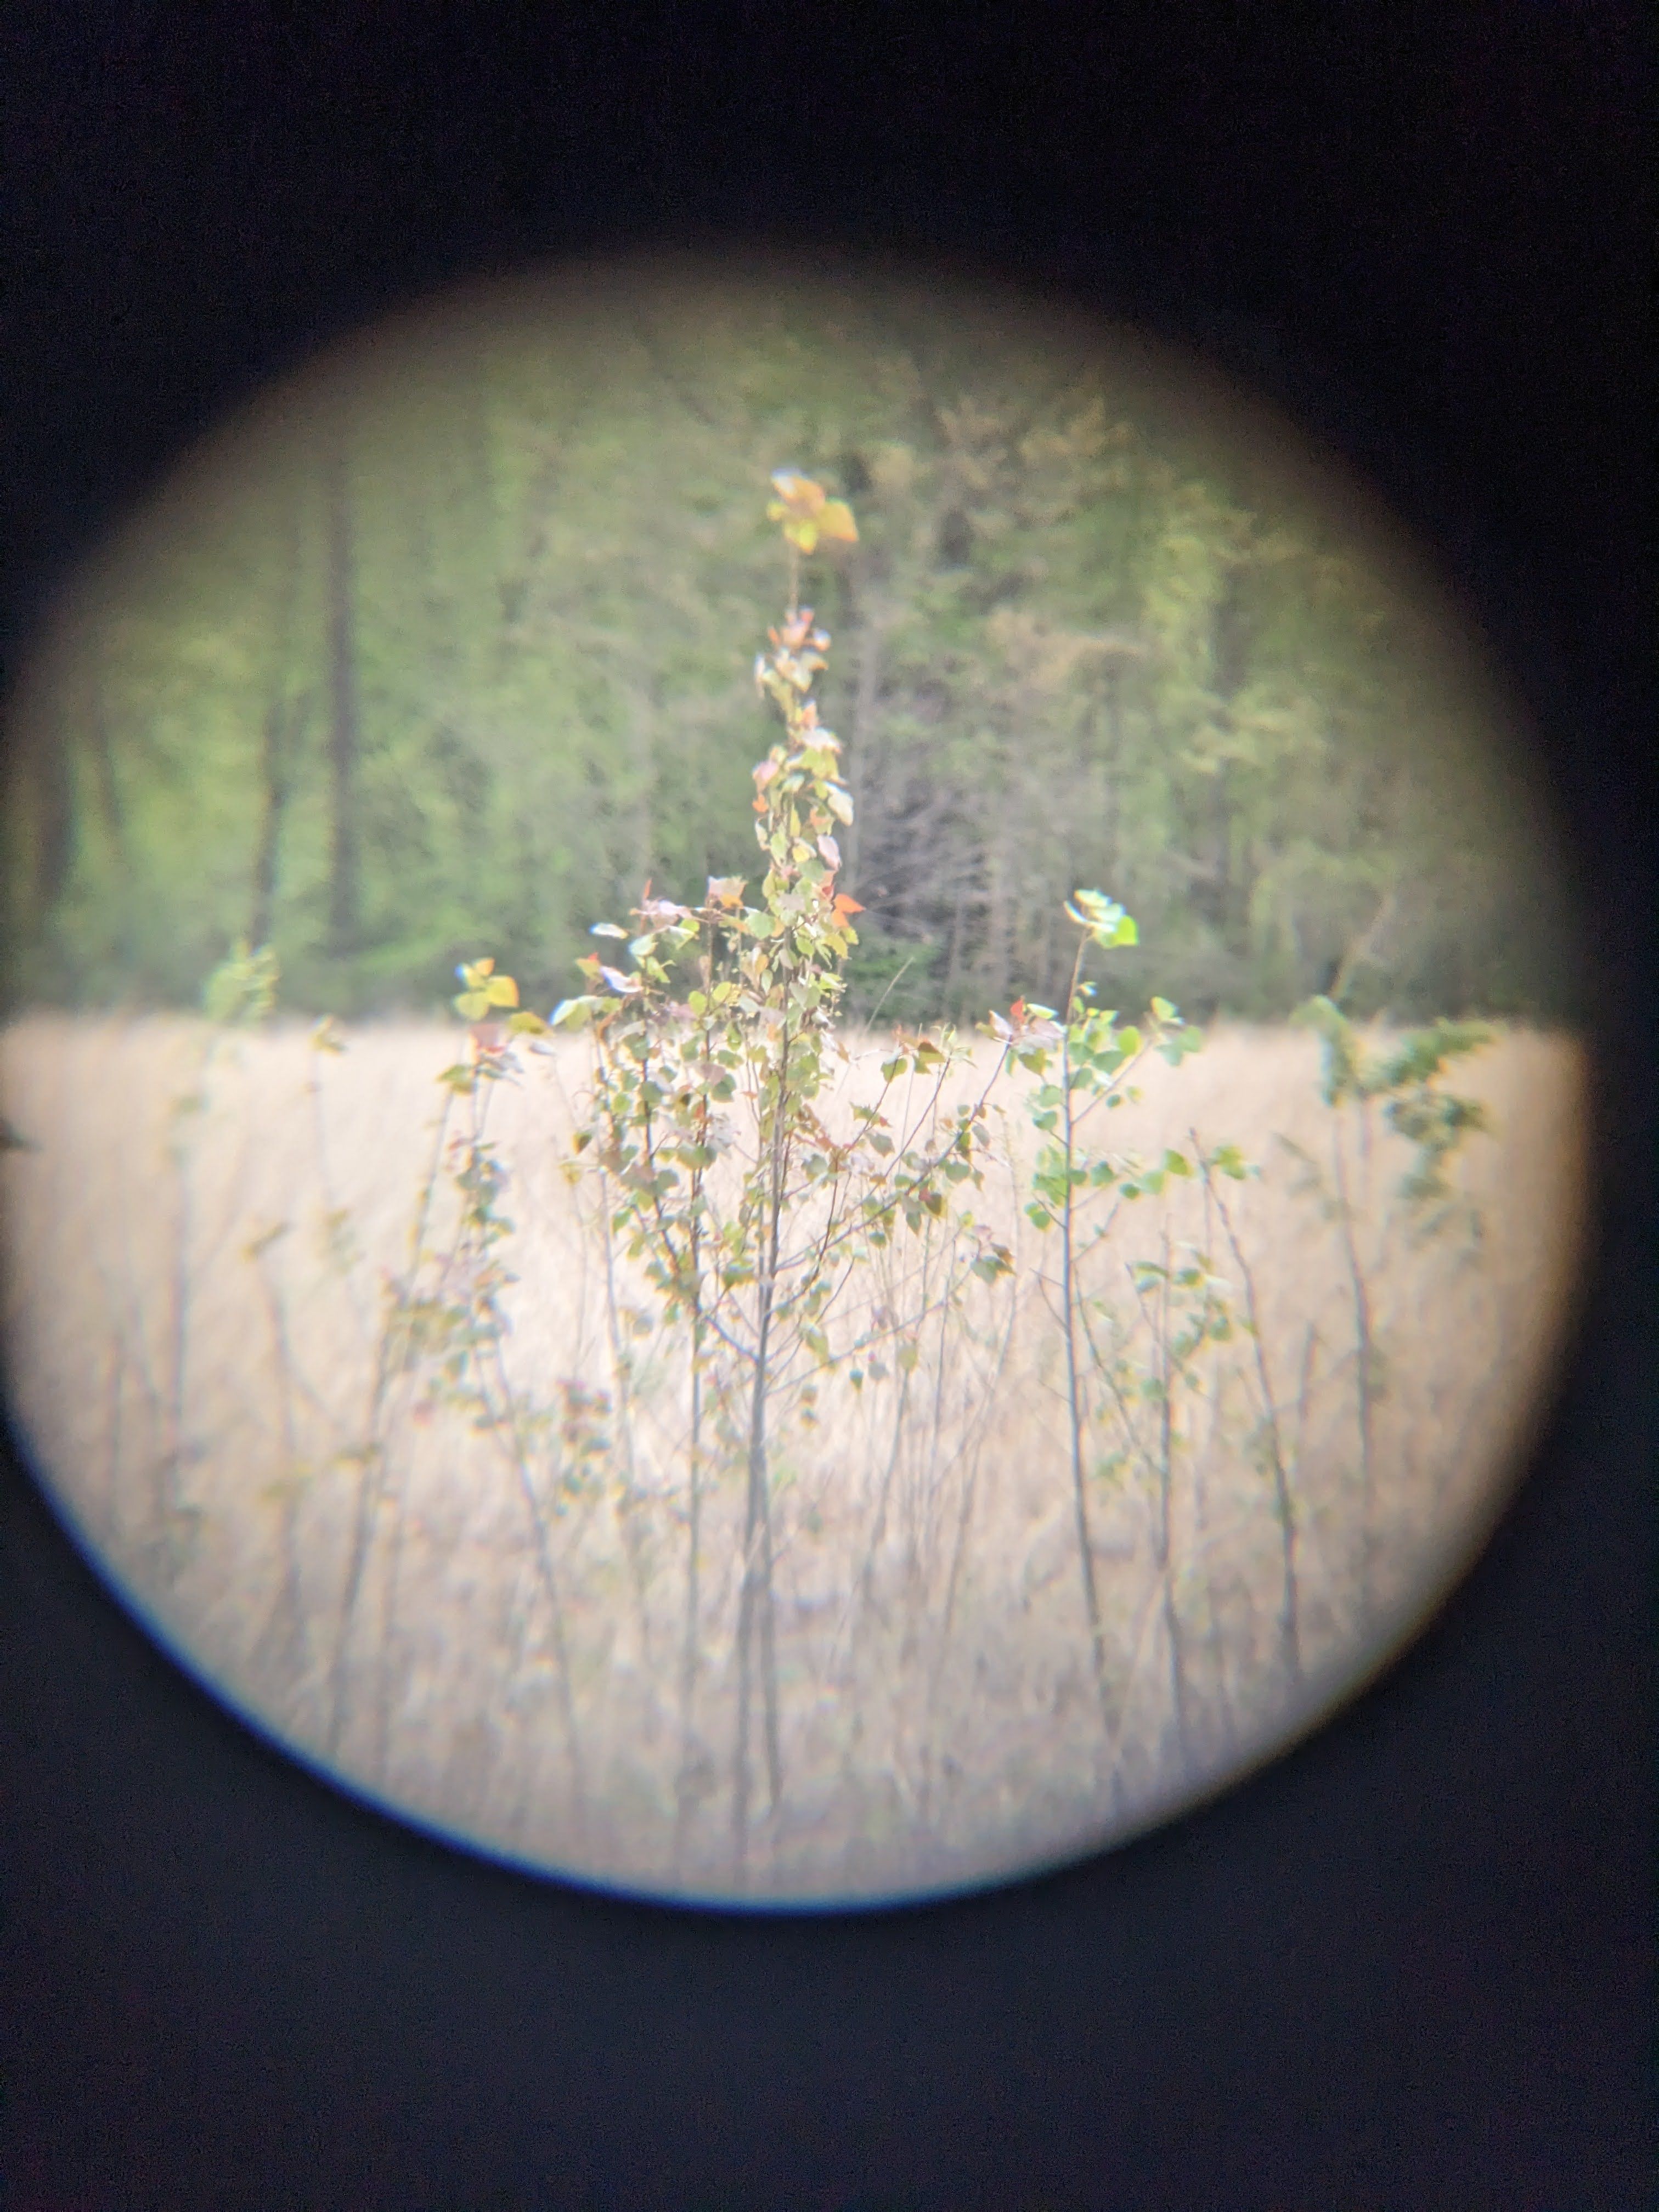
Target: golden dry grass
point(198, 1392)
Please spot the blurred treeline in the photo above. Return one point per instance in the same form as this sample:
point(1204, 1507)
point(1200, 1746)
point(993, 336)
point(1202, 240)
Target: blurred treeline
point(448, 649)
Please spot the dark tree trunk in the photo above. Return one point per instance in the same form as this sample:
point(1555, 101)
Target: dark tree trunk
point(1230, 663)
point(279, 742)
point(273, 784)
point(346, 876)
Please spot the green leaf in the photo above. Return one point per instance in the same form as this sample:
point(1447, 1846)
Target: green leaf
point(1104, 919)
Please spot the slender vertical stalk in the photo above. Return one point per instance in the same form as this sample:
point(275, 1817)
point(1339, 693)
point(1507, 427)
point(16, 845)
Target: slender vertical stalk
point(118, 1381)
point(693, 1596)
point(170, 1500)
point(1364, 1356)
point(172, 1489)
point(1173, 1632)
point(959, 1544)
point(550, 1580)
point(883, 1494)
point(691, 1636)
point(1073, 1381)
point(290, 1610)
point(372, 1453)
point(756, 1588)
point(622, 1368)
point(1215, 1636)
point(1284, 1504)
point(394, 1487)
point(923, 1488)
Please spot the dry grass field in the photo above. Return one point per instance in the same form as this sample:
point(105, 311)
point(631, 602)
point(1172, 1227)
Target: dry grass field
point(497, 1640)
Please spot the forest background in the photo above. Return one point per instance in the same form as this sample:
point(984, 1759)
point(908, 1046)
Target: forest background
point(441, 651)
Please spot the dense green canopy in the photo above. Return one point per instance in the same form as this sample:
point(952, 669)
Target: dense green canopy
point(448, 648)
